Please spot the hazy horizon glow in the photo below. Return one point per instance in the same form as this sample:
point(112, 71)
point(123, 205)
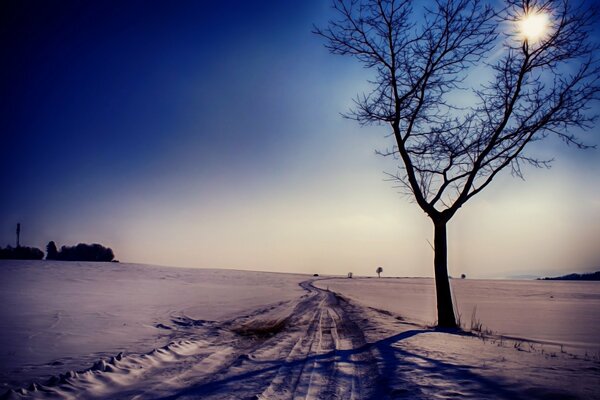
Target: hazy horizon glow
point(210, 136)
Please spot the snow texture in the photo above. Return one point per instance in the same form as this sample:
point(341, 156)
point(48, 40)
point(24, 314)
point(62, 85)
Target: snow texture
point(559, 312)
point(274, 336)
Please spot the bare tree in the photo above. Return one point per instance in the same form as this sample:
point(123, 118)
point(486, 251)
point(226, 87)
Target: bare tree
point(537, 85)
point(379, 270)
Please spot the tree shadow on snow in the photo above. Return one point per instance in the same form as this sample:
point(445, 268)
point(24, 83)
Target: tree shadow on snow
point(402, 374)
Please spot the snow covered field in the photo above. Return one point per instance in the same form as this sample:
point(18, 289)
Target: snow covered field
point(119, 331)
point(60, 316)
point(561, 312)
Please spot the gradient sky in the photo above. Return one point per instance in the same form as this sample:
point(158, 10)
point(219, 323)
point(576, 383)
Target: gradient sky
point(208, 134)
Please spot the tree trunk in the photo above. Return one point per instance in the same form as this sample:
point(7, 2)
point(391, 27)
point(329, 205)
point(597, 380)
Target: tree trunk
point(445, 309)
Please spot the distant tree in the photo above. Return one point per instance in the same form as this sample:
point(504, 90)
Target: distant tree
point(51, 251)
point(379, 270)
point(85, 252)
point(21, 253)
point(543, 80)
point(462, 276)
point(350, 275)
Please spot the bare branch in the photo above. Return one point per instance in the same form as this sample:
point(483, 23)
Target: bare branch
point(449, 152)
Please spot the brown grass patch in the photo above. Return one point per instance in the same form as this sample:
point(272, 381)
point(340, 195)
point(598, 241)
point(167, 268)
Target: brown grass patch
point(261, 329)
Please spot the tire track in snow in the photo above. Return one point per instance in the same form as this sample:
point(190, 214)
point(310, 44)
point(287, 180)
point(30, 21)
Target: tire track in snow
point(337, 364)
point(315, 351)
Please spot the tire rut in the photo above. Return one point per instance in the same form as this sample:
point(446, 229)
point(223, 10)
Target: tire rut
point(335, 363)
point(315, 352)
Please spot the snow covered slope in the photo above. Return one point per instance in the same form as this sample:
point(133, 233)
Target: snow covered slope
point(59, 316)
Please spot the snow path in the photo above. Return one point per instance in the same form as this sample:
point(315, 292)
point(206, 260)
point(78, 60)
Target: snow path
point(290, 350)
point(321, 346)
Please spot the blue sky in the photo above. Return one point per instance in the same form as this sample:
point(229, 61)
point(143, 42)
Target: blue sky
point(209, 134)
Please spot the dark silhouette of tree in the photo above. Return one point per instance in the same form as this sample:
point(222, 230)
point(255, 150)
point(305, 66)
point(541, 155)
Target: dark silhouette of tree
point(85, 252)
point(447, 154)
point(51, 251)
point(379, 270)
point(21, 253)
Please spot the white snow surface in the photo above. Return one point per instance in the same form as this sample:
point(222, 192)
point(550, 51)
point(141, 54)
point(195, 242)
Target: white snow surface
point(561, 312)
point(116, 331)
point(61, 316)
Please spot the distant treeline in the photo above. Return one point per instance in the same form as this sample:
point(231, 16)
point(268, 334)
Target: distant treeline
point(81, 252)
point(21, 253)
point(592, 276)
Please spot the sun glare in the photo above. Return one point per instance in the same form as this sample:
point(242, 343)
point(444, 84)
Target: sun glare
point(533, 26)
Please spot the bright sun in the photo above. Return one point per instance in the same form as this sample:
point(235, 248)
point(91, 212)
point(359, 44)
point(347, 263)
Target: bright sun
point(534, 26)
